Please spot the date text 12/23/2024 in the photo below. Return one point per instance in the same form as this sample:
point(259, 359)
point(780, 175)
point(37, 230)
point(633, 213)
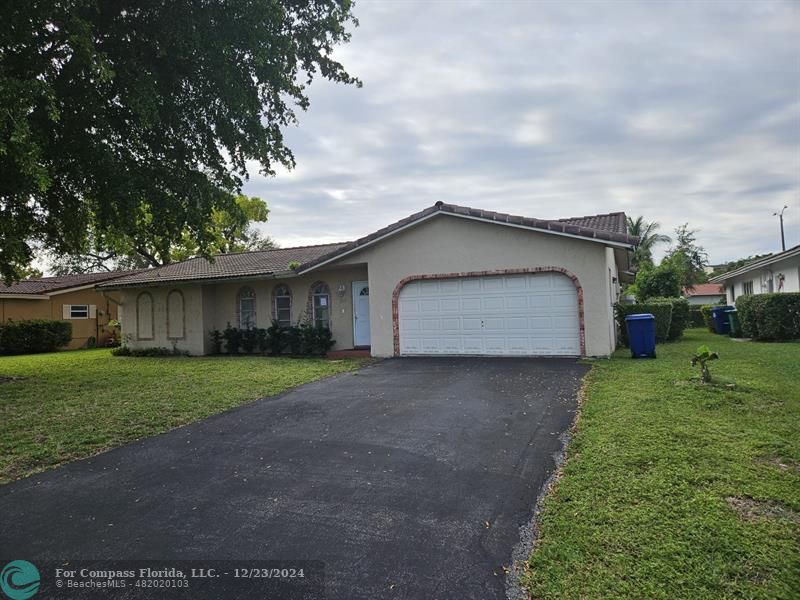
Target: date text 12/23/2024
point(176, 579)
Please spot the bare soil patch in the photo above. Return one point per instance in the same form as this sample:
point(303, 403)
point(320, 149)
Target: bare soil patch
point(750, 509)
point(782, 464)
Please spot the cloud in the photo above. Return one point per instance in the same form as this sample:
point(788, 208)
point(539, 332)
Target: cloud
point(681, 112)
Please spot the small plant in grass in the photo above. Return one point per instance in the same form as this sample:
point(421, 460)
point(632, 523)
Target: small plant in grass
point(703, 357)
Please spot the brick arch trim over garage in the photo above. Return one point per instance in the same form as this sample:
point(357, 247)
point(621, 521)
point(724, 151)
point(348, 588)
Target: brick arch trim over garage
point(402, 283)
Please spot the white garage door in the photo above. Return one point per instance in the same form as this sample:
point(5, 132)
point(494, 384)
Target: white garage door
point(527, 315)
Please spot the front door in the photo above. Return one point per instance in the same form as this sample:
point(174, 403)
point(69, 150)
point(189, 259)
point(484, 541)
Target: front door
point(361, 313)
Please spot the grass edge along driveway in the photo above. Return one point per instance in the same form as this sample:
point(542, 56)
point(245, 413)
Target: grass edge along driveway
point(672, 489)
point(67, 405)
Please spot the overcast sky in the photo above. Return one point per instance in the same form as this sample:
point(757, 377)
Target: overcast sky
point(678, 111)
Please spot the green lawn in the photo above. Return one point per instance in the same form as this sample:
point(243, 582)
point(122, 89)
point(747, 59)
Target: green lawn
point(70, 405)
point(673, 489)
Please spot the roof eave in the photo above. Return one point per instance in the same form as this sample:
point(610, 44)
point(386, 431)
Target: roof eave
point(13, 296)
point(196, 280)
point(598, 236)
point(790, 253)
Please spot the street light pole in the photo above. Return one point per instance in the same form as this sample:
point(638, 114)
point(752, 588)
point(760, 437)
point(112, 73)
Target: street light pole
point(780, 216)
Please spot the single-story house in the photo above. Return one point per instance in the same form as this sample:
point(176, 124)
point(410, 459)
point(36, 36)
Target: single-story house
point(70, 298)
point(779, 272)
point(447, 280)
point(704, 293)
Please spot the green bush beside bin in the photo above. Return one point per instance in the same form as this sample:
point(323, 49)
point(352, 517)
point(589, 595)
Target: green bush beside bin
point(679, 320)
point(708, 321)
point(662, 311)
point(770, 317)
point(696, 316)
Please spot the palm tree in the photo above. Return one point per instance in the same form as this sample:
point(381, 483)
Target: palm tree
point(648, 237)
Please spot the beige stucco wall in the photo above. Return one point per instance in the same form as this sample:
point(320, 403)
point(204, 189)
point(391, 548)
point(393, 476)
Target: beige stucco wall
point(446, 244)
point(213, 306)
point(193, 339)
point(224, 299)
point(614, 289)
point(52, 308)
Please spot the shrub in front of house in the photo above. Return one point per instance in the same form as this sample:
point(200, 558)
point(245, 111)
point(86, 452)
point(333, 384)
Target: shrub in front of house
point(321, 340)
point(250, 338)
point(294, 340)
point(233, 339)
point(34, 336)
point(307, 340)
point(216, 341)
point(276, 339)
point(770, 317)
point(303, 339)
point(662, 311)
point(679, 320)
point(147, 352)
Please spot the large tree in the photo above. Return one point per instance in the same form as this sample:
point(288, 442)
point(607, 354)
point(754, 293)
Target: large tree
point(28, 272)
point(663, 280)
point(687, 257)
point(227, 232)
point(648, 235)
point(113, 110)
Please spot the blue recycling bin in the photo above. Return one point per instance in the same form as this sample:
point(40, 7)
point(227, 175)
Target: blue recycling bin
point(642, 335)
point(719, 317)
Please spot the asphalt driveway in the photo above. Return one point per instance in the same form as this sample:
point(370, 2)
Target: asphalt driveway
point(410, 478)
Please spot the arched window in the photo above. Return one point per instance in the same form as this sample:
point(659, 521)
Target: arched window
point(247, 308)
point(321, 304)
point(144, 316)
point(176, 325)
point(282, 305)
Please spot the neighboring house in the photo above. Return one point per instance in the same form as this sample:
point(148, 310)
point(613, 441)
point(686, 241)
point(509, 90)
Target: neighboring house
point(71, 298)
point(779, 272)
point(445, 281)
point(704, 293)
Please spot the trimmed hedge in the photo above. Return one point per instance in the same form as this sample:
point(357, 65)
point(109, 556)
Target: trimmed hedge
point(708, 321)
point(696, 316)
point(680, 315)
point(30, 337)
point(144, 352)
point(300, 340)
point(770, 317)
point(662, 311)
